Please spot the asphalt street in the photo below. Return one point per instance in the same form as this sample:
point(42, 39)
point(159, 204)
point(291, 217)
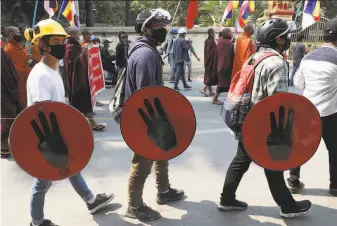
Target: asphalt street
point(200, 171)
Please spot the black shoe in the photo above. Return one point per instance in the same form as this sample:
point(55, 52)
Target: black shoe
point(189, 79)
point(297, 188)
point(171, 195)
point(171, 81)
point(234, 205)
point(187, 87)
point(333, 191)
point(46, 223)
point(142, 213)
point(176, 89)
point(100, 201)
point(302, 207)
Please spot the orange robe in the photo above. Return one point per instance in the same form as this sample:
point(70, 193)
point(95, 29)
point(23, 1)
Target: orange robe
point(245, 47)
point(18, 56)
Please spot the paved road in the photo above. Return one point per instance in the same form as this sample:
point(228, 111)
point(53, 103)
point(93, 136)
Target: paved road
point(200, 171)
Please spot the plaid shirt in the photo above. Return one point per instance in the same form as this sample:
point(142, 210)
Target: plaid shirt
point(271, 75)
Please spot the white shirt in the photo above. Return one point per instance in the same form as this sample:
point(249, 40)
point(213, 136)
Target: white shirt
point(317, 76)
point(44, 83)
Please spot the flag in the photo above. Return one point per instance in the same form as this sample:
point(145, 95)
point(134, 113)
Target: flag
point(192, 13)
point(68, 10)
point(247, 8)
point(235, 4)
point(51, 6)
point(228, 12)
point(311, 13)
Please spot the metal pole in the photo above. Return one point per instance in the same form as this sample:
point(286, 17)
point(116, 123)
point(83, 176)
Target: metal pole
point(58, 16)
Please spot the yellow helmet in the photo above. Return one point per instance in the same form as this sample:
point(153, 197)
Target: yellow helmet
point(44, 28)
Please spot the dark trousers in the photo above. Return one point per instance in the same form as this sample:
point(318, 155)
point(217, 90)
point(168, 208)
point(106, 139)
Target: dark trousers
point(329, 135)
point(180, 74)
point(237, 169)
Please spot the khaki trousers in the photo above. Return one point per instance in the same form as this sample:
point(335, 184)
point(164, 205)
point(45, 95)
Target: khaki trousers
point(140, 169)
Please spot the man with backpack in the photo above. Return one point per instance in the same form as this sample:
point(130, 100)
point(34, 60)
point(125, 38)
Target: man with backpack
point(145, 68)
point(269, 75)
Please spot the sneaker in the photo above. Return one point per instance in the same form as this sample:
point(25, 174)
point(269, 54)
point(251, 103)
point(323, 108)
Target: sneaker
point(302, 207)
point(189, 79)
point(171, 195)
point(333, 191)
point(171, 81)
point(100, 201)
point(142, 213)
point(176, 89)
point(187, 87)
point(46, 223)
point(296, 188)
point(234, 205)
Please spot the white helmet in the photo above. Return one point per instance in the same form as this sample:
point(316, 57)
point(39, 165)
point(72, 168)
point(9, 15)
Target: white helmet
point(182, 31)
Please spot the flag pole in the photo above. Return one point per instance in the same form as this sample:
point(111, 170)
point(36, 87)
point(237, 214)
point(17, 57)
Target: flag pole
point(59, 14)
point(33, 24)
point(175, 14)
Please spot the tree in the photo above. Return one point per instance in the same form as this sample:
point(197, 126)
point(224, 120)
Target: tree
point(128, 21)
point(89, 13)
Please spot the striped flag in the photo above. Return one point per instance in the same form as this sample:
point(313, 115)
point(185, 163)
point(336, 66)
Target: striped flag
point(311, 13)
point(228, 13)
point(51, 6)
point(247, 8)
point(68, 10)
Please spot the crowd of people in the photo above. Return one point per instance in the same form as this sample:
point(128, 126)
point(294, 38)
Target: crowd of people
point(58, 67)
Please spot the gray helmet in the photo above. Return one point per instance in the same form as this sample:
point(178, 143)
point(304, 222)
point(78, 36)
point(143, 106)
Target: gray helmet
point(150, 15)
point(270, 30)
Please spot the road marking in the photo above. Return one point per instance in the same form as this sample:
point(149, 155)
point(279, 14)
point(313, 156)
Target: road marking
point(200, 132)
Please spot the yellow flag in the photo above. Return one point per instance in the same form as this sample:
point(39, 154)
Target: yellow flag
point(236, 4)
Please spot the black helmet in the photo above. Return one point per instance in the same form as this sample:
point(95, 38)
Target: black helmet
point(149, 15)
point(330, 30)
point(271, 29)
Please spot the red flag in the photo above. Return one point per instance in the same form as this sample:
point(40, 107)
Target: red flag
point(192, 13)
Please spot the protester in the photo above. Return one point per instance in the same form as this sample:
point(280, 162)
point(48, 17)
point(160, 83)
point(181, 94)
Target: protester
point(45, 84)
point(169, 53)
point(188, 64)
point(87, 37)
point(122, 49)
point(211, 64)
point(244, 48)
point(299, 50)
point(225, 63)
point(76, 65)
point(10, 102)
point(271, 76)
point(145, 69)
point(107, 63)
point(181, 46)
point(19, 58)
point(317, 76)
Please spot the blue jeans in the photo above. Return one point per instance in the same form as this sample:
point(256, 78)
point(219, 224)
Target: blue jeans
point(292, 75)
point(40, 188)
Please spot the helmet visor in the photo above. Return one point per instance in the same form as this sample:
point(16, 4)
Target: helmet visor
point(160, 15)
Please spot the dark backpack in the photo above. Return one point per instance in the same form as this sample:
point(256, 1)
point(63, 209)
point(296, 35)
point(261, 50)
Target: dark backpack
point(238, 102)
point(118, 97)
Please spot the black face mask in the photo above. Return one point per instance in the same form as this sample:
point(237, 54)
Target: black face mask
point(286, 45)
point(17, 38)
point(57, 51)
point(159, 35)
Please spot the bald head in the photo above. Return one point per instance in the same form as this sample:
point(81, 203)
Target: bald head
point(74, 32)
point(226, 33)
point(13, 33)
point(249, 28)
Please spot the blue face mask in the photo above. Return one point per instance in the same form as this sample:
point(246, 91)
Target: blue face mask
point(92, 37)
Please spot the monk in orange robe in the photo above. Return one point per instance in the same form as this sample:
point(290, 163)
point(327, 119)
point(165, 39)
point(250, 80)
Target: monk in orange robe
point(20, 59)
point(245, 47)
point(86, 37)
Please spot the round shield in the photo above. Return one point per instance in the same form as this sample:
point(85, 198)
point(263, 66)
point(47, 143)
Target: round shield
point(282, 131)
point(51, 141)
point(158, 123)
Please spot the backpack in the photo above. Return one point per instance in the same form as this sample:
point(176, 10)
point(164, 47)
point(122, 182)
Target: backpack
point(238, 102)
point(118, 97)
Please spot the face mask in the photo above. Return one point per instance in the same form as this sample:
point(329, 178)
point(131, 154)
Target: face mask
point(174, 36)
point(286, 45)
point(57, 51)
point(159, 35)
point(81, 39)
point(17, 38)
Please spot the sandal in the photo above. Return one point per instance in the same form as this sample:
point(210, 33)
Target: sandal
point(5, 153)
point(99, 127)
point(203, 92)
point(217, 102)
point(99, 104)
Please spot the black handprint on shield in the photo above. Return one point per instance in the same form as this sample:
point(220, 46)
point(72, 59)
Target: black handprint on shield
point(279, 140)
point(51, 144)
point(159, 129)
